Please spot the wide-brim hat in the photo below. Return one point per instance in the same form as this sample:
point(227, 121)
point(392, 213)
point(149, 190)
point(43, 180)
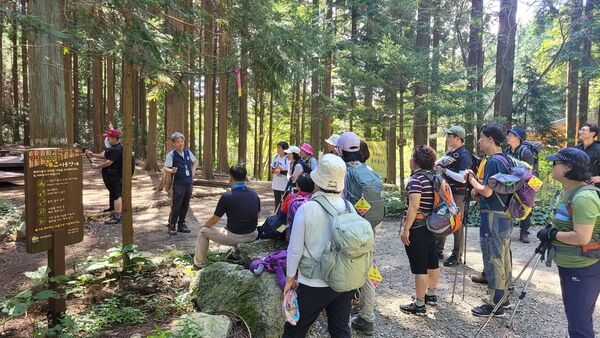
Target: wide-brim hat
point(307, 148)
point(329, 173)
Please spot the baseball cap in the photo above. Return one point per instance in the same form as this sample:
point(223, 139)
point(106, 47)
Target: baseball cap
point(572, 156)
point(292, 149)
point(349, 142)
point(456, 130)
point(330, 173)
point(518, 132)
point(112, 133)
point(333, 139)
point(307, 148)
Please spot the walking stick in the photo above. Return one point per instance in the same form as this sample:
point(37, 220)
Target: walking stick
point(463, 249)
point(541, 250)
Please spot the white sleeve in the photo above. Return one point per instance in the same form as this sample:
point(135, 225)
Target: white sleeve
point(296, 246)
point(458, 177)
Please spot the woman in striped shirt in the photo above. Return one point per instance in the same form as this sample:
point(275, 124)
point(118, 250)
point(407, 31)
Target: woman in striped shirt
point(418, 241)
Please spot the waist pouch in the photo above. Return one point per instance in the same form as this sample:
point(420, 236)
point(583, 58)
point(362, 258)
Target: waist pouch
point(591, 250)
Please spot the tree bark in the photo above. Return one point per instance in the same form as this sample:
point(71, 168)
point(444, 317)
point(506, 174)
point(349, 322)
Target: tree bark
point(391, 108)
point(24, 60)
point(76, 97)
point(572, 73)
point(151, 158)
point(15, 80)
point(97, 109)
point(474, 74)
point(2, 103)
point(209, 92)
point(505, 60)
point(223, 83)
point(243, 128)
point(110, 89)
point(48, 118)
point(420, 89)
point(586, 62)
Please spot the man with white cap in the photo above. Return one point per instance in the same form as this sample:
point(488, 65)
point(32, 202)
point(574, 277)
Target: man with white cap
point(332, 144)
point(310, 236)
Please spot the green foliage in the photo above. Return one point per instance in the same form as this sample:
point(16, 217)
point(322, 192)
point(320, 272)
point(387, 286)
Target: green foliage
point(114, 259)
point(5, 208)
point(108, 313)
point(20, 303)
point(395, 203)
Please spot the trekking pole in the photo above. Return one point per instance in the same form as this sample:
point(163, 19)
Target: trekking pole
point(463, 249)
point(541, 249)
point(523, 293)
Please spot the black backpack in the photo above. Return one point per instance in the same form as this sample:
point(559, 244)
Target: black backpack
point(535, 148)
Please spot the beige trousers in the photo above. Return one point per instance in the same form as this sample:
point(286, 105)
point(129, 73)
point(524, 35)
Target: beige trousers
point(220, 236)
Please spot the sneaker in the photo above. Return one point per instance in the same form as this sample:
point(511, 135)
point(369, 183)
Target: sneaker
point(234, 257)
point(429, 300)
point(362, 325)
point(172, 230)
point(481, 279)
point(506, 306)
point(452, 261)
point(524, 238)
point(183, 228)
point(413, 309)
point(114, 220)
point(108, 210)
point(486, 309)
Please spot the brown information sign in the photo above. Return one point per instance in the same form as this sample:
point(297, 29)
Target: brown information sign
point(53, 196)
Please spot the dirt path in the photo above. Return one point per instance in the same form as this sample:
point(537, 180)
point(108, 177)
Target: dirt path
point(541, 313)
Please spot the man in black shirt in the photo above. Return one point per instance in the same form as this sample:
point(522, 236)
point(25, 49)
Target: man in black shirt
point(587, 133)
point(112, 171)
point(454, 173)
point(242, 207)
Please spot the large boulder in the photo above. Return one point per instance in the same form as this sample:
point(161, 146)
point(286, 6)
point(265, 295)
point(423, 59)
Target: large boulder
point(201, 324)
point(259, 249)
point(231, 287)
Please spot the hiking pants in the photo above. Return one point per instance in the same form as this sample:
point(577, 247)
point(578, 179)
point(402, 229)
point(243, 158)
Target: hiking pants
point(440, 242)
point(494, 236)
point(580, 289)
point(220, 236)
point(367, 301)
point(311, 301)
point(182, 193)
point(526, 224)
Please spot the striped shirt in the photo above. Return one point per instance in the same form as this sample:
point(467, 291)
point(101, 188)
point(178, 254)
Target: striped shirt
point(419, 184)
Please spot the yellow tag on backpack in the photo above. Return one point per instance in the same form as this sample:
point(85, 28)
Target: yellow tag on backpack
point(362, 206)
point(375, 275)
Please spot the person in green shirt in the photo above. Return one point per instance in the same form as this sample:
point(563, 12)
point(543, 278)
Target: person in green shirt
point(575, 227)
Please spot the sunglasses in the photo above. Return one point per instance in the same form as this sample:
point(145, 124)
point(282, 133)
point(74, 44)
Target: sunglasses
point(557, 162)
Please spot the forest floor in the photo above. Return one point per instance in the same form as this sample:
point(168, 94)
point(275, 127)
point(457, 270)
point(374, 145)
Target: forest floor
point(540, 314)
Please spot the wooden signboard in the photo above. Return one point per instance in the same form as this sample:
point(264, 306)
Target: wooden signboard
point(53, 197)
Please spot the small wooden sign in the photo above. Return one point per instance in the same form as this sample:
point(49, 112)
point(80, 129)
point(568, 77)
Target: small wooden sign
point(53, 196)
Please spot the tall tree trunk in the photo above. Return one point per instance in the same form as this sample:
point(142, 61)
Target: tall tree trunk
point(15, 80)
point(141, 126)
point(151, 158)
point(127, 128)
point(26, 129)
point(255, 158)
point(270, 133)
point(435, 70)
point(261, 132)
point(327, 86)
point(586, 62)
point(2, 103)
point(402, 139)
point(572, 73)
point(97, 111)
point(192, 100)
point(48, 117)
point(76, 97)
point(391, 109)
point(243, 129)
point(420, 88)
point(68, 78)
point(315, 119)
point(110, 89)
point(474, 73)
point(505, 60)
point(224, 54)
point(209, 93)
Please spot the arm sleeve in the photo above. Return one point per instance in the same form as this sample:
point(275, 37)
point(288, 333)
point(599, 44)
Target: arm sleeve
point(221, 208)
point(296, 245)
point(457, 176)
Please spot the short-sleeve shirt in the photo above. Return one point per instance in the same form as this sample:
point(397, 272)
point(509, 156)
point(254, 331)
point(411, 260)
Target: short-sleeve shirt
point(418, 183)
point(280, 181)
point(115, 154)
point(585, 208)
point(242, 206)
point(462, 161)
point(493, 166)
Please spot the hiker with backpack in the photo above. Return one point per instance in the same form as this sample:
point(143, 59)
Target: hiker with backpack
point(305, 187)
point(575, 239)
point(454, 174)
point(306, 153)
point(520, 150)
point(279, 169)
point(362, 184)
point(297, 166)
point(418, 241)
point(587, 135)
point(330, 252)
point(496, 227)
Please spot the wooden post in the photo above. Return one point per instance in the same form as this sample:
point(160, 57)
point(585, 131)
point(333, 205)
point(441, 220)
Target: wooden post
point(56, 262)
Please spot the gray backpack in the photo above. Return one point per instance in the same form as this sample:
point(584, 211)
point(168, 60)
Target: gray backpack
point(349, 256)
point(362, 182)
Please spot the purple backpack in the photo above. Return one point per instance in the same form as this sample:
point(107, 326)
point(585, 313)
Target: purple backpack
point(274, 262)
point(295, 203)
point(516, 182)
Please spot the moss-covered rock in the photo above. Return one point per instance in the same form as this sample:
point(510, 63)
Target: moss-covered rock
point(259, 249)
point(199, 324)
point(257, 299)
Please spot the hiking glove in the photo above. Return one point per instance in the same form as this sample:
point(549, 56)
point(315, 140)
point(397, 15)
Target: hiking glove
point(547, 234)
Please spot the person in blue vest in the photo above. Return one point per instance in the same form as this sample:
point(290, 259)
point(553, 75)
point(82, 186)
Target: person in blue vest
point(181, 163)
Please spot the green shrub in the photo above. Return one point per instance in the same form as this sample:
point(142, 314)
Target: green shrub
point(395, 203)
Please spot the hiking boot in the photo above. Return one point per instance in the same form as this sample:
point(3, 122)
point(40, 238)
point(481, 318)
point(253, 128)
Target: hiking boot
point(429, 300)
point(412, 308)
point(172, 230)
point(452, 261)
point(486, 309)
point(114, 220)
point(506, 306)
point(481, 279)
point(183, 228)
point(524, 238)
point(362, 325)
point(234, 257)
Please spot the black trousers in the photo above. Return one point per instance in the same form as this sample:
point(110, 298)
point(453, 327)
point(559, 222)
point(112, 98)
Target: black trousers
point(182, 193)
point(311, 301)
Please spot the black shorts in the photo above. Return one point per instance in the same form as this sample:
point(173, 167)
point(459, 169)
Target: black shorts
point(114, 184)
point(421, 252)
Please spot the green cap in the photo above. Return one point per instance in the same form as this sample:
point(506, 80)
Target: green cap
point(456, 130)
